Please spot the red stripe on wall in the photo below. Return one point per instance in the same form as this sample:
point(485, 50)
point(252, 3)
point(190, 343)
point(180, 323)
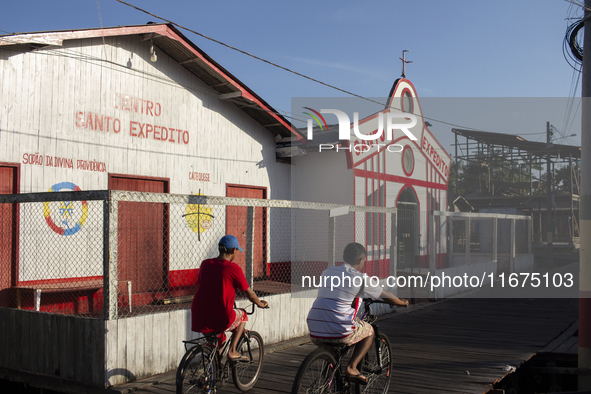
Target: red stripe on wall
point(61, 280)
point(180, 278)
point(398, 179)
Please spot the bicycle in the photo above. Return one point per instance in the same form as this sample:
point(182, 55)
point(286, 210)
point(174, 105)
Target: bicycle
point(322, 370)
point(201, 369)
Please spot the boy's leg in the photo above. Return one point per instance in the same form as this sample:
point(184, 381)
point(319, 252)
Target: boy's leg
point(360, 350)
point(362, 337)
point(237, 329)
point(232, 353)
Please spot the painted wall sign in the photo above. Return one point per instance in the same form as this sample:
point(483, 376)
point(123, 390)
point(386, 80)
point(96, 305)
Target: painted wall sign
point(158, 132)
point(437, 156)
point(63, 162)
point(70, 219)
point(200, 176)
point(199, 217)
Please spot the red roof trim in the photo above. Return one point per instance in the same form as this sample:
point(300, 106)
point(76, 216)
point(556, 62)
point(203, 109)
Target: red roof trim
point(56, 38)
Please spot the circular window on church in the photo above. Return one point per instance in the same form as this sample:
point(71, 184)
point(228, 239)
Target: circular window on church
point(408, 160)
point(407, 103)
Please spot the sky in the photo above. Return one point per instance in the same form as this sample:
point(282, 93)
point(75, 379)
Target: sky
point(459, 48)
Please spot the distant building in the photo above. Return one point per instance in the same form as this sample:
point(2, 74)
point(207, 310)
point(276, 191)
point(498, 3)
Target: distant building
point(410, 175)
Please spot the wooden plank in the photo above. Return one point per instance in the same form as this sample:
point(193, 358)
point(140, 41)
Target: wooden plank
point(3, 327)
point(27, 357)
point(97, 356)
point(12, 328)
point(56, 344)
point(48, 340)
point(568, 333)
point(164, 341)
point(132, 363)
point(111, 351)
point(86, 350)
point(79, 351)
point(149, 344)
point(37, 340)
point(569, 343)
point(67, 347)
point(121, 366)
point(139, 345)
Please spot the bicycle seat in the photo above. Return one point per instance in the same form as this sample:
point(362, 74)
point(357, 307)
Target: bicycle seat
point(336, 347)
point(209, 337)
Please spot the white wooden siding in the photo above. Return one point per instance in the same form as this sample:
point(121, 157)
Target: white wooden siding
point(41, 93)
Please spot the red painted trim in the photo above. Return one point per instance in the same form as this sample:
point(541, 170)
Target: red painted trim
point(263, 188)
point(415, 193)
point(397, 179)
point(442, 148)
point(16, 219)
point(183, 278)
point(407, 147)
point(414, 90)
point(364, 120)
point(164, 30)
point(141, 178)
point(246, 92)
point(371, 155)
point(264, 240)
point(166, 217)
point(405, 90)
point(415, 95)
point(61, 280)
point(87, 33)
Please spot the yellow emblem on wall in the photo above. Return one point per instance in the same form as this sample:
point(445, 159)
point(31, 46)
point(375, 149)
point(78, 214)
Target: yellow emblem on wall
point(199, 217)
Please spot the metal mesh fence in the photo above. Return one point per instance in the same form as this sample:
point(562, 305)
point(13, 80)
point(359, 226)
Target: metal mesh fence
point(458, 235)
point(52, 255)
point(522, 238)
point(113, 254)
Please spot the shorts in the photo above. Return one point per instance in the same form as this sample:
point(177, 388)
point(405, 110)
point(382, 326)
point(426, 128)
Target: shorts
point(362, 331)
point(240, 317)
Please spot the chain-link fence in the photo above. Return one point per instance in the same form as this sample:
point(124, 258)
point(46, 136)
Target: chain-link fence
point(481, 237)
point(113, 254)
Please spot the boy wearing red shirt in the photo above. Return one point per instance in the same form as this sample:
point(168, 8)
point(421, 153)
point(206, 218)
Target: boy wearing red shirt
point(212, 309)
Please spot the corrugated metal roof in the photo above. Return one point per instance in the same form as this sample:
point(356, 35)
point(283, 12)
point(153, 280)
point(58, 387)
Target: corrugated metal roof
point(515, 141)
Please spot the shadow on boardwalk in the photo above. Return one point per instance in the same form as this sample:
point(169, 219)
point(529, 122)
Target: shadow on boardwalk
point(461, 345)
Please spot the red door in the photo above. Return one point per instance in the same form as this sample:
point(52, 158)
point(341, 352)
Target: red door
point(236, 225)
point(142, 252)
point(8, 233)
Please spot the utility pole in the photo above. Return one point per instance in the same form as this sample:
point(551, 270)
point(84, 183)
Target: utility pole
point(585, 212)
point(549, 221)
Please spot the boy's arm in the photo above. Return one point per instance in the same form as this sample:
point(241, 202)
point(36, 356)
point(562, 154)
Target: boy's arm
point(392, 299)
point(250, 294)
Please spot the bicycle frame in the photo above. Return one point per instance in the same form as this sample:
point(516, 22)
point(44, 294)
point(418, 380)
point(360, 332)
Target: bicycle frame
point(340, 351)
point(213, 342)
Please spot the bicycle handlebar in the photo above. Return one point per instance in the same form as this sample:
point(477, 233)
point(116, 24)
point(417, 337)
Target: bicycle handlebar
point(369, 301)
point(252, 310)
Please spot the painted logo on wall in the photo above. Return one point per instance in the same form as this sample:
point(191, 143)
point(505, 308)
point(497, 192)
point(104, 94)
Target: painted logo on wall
point(69, 216)
point(199, 217)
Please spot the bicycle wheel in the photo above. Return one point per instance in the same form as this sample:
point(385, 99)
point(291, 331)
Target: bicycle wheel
point(246, 374)
point(196, 371)
point(317, 374)
point(377, 366)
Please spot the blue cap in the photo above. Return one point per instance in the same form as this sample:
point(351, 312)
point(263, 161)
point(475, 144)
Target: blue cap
point(230, 241)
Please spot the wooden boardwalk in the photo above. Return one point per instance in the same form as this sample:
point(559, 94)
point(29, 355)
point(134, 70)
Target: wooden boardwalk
point(461, 345)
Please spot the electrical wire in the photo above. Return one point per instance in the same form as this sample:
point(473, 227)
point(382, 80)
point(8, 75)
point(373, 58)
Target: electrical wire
point(571, 49)
point(285, 68)
point(579, 4)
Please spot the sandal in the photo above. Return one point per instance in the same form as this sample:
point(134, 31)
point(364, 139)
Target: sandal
point(240, 359)
point(359, 378)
